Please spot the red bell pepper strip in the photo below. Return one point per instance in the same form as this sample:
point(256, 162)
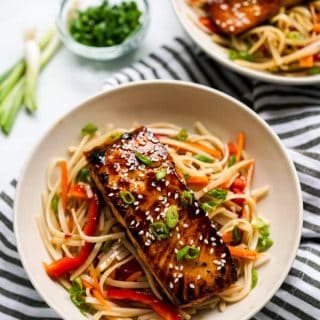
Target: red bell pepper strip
point(164, 310)
point(78, 191)
point(60, 267)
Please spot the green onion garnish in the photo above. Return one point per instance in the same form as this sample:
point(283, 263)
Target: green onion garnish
point(207, 206)
point(115, 135)
point(160, 230)
point(295, 35)
point(219, 194)
point(264, 243)
point(254, 280)
point(89, 129)
point(182, 135)
point(83, 176)
point(186, 198)
point(106, 246)
point(187, 252)
point(144, 159)
point(203, 158)
point(54, 203)
point(161, 174)
point(127, 197)
point(314, 70)
point(236, 236)
point(105, 25)
point(240, 55)
point(172, 216)
point(232, 160)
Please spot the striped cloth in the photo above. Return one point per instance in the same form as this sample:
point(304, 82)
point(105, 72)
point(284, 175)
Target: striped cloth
point(293, 113)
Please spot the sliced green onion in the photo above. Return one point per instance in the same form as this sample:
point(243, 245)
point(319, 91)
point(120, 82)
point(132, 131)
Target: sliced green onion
point(83, 176)
point(203, 158)
point(127, 197)
point(55, 203)
point(144, 159)
point(78, 296)
point(182, 135)
point(187, 252)
point(161, 173)
point(186, 176)
point(172, 217)
point(89, 129)
point(115, 135)
point(264, 231)
point(295, 35)
point(219, 194)
point(314, 70)
point(186, 198)
point(264, 243)
point(232, 160)
point(240, 55)
point(236, 236)
point(254, 280)
point(160, 230)
point(208, 206)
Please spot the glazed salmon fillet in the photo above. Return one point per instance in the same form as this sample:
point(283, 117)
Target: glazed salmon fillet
point(127, 173)
point(236, 16)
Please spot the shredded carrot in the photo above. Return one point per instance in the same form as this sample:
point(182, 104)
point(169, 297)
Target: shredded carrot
point(306, 62)
point(316, 27)
point(213, 152)
point(198, 181)
point(93, 274)
point(98, 295)
point(313, 14)
point(86, 284)
point(134, 276)
point(64, 183)
point(232, 148)
point(227, 237)
point(243, 253)
point(240, 145)
point(70, 223)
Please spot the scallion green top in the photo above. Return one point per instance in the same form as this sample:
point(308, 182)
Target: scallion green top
point(105, 25)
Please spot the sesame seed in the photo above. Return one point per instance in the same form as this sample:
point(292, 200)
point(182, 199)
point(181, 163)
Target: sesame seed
point(191, 285)
point(201, 237)
point(141, 232)
point(176, 196)
point(170, 265)
point(223, 255)
point(206, 241)
point(176, 280)
point(110, 194)
point(136, 203)
point(158, 189)
point(171, 285)
point(199, 277)
point(185, 225)
point(197, 211)
point(211, 251)
point(140, 196)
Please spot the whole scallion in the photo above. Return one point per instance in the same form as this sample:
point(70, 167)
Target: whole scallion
point(17, 88)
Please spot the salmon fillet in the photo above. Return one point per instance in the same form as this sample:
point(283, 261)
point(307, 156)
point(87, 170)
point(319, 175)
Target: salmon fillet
point(117, 169)
point(236, 16)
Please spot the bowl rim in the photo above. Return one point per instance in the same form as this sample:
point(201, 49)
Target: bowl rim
point(45, 296)
point(71, 43)
point(245, 71)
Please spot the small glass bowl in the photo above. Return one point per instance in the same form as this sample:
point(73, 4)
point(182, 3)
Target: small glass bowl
point(100, 53)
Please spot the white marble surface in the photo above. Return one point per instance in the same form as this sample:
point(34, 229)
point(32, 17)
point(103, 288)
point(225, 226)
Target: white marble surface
point(67, 80)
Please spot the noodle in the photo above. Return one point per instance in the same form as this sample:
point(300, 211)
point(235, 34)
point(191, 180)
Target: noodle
point(278, 45)
point(62, 231)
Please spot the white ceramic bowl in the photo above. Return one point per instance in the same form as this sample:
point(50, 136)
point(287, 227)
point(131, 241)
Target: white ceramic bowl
point(183, 104)
point(217, 53)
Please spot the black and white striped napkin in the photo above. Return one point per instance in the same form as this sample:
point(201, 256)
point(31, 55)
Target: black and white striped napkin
point(292, 112)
